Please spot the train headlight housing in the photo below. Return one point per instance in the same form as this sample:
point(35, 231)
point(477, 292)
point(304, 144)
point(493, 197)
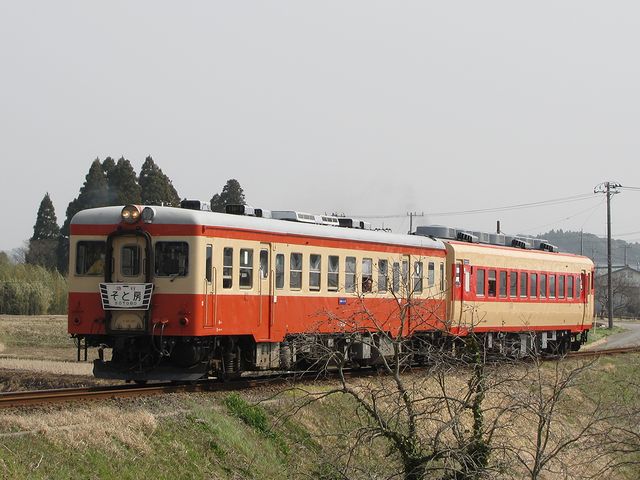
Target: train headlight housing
point(147, 214)
point(130, 214)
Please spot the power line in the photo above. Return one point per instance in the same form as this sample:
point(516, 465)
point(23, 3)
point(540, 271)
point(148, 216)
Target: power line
point(591, 209)
point(555, 201)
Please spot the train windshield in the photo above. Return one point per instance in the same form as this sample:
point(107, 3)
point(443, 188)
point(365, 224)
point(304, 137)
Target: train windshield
point(90, 257)
point(171, 259)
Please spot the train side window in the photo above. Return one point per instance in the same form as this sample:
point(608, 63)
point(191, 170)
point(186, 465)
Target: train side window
point(295, 271)
point(578, 286)
point(315, 263)
point(350, 274)
point(90, 257)
point(264, 263)
point(130, 260)
point(171, 259)
point(491, 283)
point(280, 270)
point(543, 285)
point(552, 286)
point(503, 284)
point(383, 271)
point(208, 263)
point(396, 277)
point(442, 277)
point(227, 267)
point(367, 275)
point(513, 284)
point(480, 278)
point(431, 274)
point(523, 284)
point(570, 286)
point(417, 276)
point(405, 274)
point(561, 286)
point(533, 285)
point(334, 273)
point(246, 268)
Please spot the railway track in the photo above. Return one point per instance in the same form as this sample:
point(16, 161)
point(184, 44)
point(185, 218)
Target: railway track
point(604, 351)
point(39, 397)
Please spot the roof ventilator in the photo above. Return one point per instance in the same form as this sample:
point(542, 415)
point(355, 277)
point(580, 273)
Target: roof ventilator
point(547, 247)
point(240, 210)
point(519, 243)
point(467, 237)
point(195, 205)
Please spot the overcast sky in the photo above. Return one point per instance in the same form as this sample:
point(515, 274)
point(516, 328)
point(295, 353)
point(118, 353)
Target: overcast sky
point(360, 107)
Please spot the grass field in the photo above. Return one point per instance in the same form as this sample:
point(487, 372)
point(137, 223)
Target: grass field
point(261, 434)
point(41, 337)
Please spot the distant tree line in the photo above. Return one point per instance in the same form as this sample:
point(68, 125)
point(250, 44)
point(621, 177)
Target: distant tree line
point(37, 285)
point(594, 247)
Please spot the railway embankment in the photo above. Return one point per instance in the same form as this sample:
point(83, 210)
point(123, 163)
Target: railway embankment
point(275, 431)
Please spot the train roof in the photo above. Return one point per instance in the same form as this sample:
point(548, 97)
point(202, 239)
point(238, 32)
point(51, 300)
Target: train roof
point(462, 248)
point(182, 216)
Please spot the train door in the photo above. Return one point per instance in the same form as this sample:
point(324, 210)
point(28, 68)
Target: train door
point(209, 283)
point(265, 317)
point(462, 284)
point(406, 289)
point(584, 295)
point(127, 265)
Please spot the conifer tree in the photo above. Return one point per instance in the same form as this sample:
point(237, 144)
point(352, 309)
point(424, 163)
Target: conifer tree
point(232, 194)
point(44, 242)
point(94, 193)
point(46, 226)
point(156, 188)
point(123, 184)
point(108, 165)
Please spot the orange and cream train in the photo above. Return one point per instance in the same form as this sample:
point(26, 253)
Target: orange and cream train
point(183, 293)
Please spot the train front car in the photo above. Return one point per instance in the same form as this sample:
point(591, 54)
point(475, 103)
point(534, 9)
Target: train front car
point(133, 290)
point(521, 300)
point(181, 294)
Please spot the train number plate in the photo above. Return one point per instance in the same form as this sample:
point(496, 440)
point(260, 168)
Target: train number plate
point(126, 296)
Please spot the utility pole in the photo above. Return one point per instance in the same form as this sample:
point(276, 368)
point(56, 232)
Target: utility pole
point(411, 215)
point(608, 188)
point(581, 242)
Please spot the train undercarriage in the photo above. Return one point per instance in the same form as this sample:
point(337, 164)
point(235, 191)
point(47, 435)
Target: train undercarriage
point(143, 358)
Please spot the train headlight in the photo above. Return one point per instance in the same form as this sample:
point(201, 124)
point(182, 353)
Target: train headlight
point(147, 214)
point(130, 214)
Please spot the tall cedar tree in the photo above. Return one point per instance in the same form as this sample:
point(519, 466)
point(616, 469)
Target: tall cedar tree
point(108, 165)
point(46, 226)
point(156, 188)
point(44, 242)
point(94, 193)
point(123, 184)
point(232, 194)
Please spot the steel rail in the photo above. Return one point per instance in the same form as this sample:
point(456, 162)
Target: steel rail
point(604, 351)
point(35, 397)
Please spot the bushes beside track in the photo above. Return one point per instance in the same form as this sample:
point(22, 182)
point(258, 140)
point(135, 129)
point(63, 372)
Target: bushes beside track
point(31, 290)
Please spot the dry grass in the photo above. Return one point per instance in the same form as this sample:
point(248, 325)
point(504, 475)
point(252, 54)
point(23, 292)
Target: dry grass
point(103, 427)
point(38, 337)
point(47, 366)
